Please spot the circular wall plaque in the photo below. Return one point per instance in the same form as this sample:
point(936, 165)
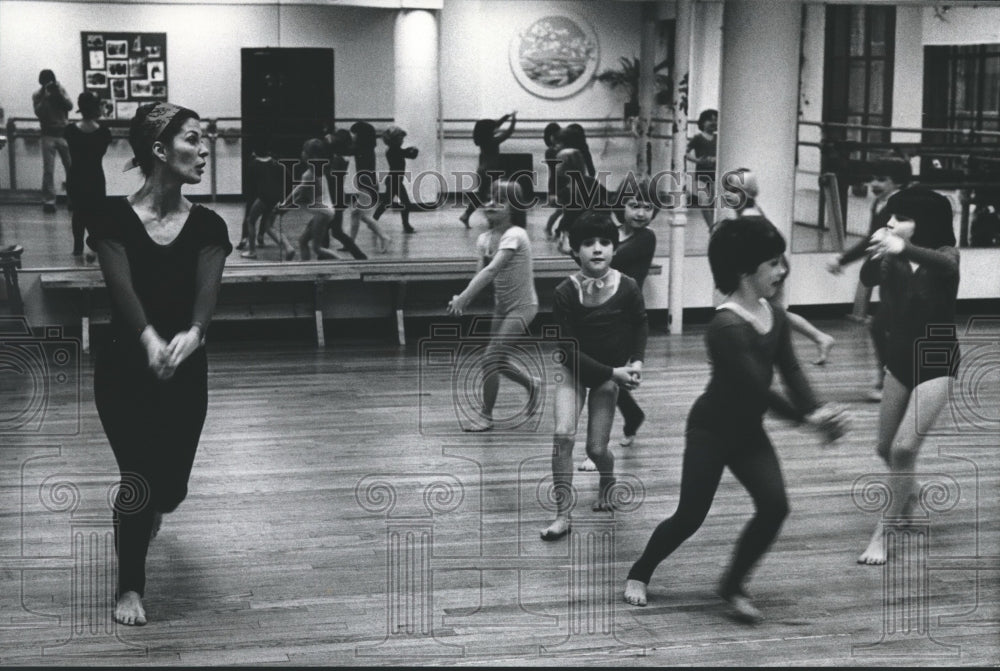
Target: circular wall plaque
point(555, 56)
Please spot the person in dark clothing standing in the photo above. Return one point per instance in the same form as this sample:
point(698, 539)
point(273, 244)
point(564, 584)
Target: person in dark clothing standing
point(395, 186)
point(487, 135)
point(162, 259)
point(88, 141)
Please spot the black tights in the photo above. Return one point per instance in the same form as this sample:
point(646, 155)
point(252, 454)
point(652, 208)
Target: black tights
point(395, 188)
point(755, 465)
point(153, 427)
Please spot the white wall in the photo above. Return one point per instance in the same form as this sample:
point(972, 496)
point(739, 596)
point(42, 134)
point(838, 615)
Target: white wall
point(477, 81)
point(203, 63)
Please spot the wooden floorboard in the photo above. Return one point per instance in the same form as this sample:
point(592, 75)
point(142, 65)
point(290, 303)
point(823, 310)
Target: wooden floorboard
point(278, 557)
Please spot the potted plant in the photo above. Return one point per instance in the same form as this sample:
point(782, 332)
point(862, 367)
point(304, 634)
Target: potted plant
point(626, 77)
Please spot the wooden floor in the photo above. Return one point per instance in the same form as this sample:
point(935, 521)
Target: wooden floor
point(48, 241)
point(337, 516)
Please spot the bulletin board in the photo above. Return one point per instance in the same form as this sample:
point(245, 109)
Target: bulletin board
point(124, 70)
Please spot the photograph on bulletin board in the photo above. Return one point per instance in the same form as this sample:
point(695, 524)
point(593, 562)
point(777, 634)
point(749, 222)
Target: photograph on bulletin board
point(124, 69)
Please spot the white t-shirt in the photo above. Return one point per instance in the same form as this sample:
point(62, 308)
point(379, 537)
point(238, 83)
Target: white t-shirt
point(514, 285)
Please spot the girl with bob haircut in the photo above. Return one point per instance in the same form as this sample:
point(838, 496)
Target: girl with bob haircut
point(746, 339)
point(504, 258)
point(162, 259)
point(914, 262)
point(602, 310)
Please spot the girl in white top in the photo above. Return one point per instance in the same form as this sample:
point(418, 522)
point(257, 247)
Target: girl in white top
point(504, 256)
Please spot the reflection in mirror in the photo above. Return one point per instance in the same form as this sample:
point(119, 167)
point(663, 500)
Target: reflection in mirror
point(858, 108)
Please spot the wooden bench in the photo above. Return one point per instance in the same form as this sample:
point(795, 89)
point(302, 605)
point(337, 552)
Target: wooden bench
point(318, 274)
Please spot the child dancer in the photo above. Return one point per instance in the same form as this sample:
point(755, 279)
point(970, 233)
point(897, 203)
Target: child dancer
point(323, 215)
point(395, 188)
point(504, 253)
point(488, 135)
point(268, 182)
point(633, 257)
point(888, 177)
point(747, 337)
point(551, 137)
point(88, 140)
point(340, 148)
point(603, 311)
point(701, 152)
point(915, 263)
point(364, 140)
point(744, 181)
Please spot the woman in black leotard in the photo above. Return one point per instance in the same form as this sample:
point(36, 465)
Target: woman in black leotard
point(746, 339)
point(162, 259)
point(915, 264)
point(88, 140)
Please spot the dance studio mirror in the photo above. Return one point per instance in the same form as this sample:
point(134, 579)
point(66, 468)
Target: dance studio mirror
point(860, 105)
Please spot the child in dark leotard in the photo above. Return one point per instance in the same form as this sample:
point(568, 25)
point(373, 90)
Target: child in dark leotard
point(395, 186)
point(603, 311)
point(915, 264)
point(746, 339)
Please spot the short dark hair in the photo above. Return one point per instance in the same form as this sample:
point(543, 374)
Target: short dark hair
point(46, 76)
point(551, 133)
point(365, 135)
point(896, 169)
point(593, 224)
point(142, 146)
point(931, 213)
point(89, 105)
point(514, 196)
point(641, 189)
point(738, 246)
point(482, 132)
point(341, 143)
point(705, 116)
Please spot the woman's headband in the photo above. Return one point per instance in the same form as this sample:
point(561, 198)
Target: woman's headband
point(151, 127)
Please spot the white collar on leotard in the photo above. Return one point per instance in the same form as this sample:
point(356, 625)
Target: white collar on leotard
point(750, 317)
point(591, 285)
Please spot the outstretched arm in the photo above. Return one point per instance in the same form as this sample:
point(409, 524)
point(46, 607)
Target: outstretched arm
point(501, 135)
point(483, 278)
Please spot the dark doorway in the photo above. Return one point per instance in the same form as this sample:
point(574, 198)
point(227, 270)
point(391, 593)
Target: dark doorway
point(287, 98)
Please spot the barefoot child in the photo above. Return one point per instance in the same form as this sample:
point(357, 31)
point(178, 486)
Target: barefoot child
point(603, 311)
point(505, 260)
point(914, 261)
point(746, 339)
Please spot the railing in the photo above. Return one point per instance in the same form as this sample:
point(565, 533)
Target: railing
point(229, 129)
point(977, 153)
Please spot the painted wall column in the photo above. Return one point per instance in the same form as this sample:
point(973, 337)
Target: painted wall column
point(758, 110)
point(678, 215)
point(417, 97)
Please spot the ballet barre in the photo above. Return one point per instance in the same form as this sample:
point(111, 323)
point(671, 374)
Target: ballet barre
point(313, 278)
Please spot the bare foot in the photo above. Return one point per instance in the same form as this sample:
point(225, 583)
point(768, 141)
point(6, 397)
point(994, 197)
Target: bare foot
point(823, 347)
point(157, 523)
point(129, 610)
point(874, 554)
point(559, 528)
point(587, 465)
point(742, 609)
point(635, 592)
